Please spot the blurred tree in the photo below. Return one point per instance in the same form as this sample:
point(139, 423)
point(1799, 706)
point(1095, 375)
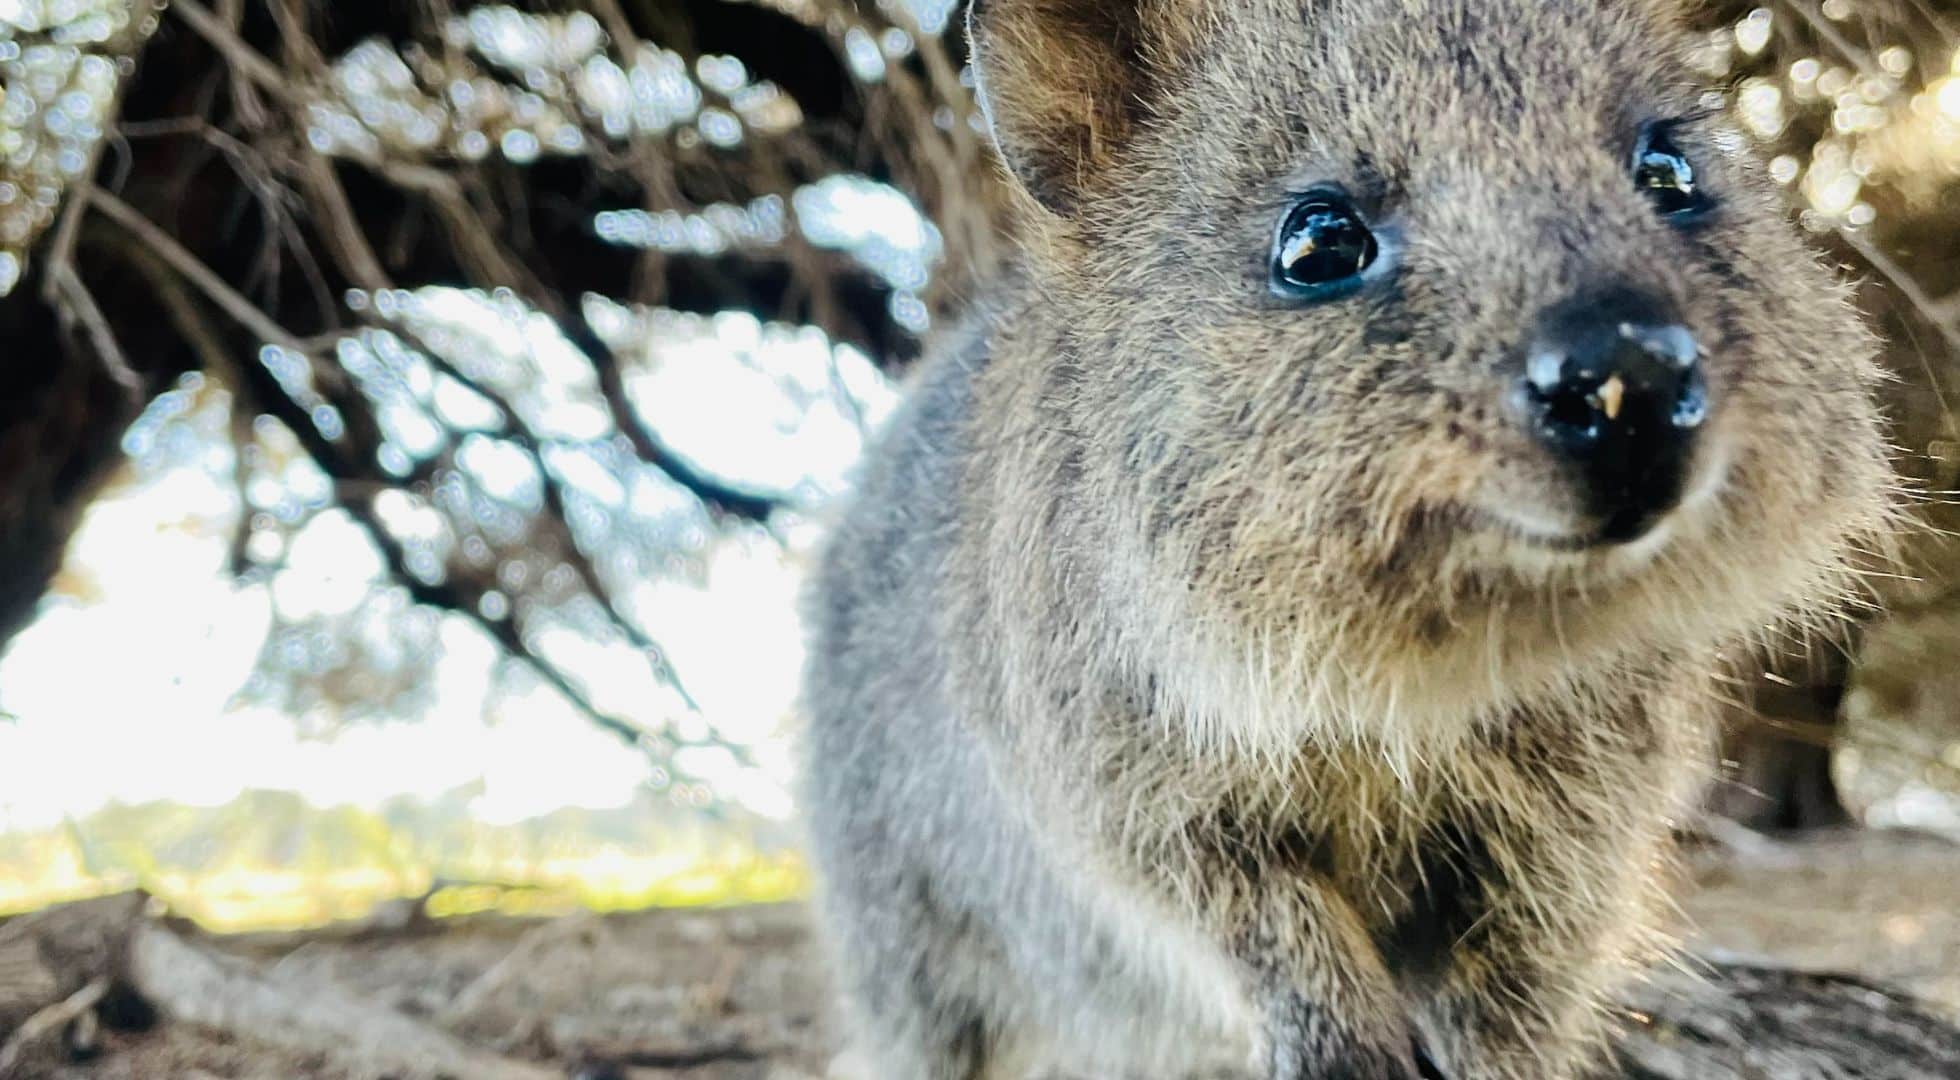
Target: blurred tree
point(254, 198)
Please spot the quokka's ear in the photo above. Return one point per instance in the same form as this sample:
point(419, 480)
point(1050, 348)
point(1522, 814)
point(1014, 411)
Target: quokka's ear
point(1065, 84)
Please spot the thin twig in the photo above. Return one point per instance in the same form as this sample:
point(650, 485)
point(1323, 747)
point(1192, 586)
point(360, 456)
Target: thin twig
point(220, 36)
point(50, 1020)
point(646, 443)
point(190, 266)
point(247, 161)
point(79, 303)
point(252, 110)
point(341, 227)
point(61, 245)
point(520, 434)
point(476, 244)
point(1822, 27)
point(1928, 307)
point(358, 504)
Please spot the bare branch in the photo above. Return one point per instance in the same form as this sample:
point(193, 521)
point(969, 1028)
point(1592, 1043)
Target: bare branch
point(191, 267)
point(358, 258)
point(646, 442)
point(1822, 27)
point(358, 500)
point(79, 304)
point(1931, 309)
point(50, 1020)
point(242, 57)
point(340, 226)
point(192, 983)
point(526, 438)
point(492, 266)
point(484, 257)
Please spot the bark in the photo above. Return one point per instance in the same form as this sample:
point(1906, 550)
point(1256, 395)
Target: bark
point(61, 418)
point(1742, 1022)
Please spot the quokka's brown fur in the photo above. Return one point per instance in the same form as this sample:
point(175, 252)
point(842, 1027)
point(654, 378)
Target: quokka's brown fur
point(1186, 691)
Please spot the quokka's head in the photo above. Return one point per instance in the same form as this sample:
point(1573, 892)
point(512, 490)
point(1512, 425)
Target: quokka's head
point(1422, 352)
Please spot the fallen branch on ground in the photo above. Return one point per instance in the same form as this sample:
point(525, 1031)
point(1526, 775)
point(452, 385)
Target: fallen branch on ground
point(116, 940)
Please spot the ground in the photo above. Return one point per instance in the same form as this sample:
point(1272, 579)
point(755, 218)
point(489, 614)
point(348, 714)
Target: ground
point(739, 994)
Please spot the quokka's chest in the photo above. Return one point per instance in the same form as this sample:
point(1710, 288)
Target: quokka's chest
point(1417, 860)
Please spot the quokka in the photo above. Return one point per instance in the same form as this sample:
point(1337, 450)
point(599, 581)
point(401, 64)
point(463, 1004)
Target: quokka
point(1276, 635)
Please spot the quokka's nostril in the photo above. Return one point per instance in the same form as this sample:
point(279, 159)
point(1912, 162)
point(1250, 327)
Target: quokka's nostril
point(1690, 401)
point(1573, 409)
point(1567, 414)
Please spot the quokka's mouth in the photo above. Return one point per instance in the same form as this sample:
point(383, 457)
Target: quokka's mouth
point(1544, 540)
point(1535, 537)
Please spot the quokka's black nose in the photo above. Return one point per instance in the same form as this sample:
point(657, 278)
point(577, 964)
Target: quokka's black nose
point(1613, 383)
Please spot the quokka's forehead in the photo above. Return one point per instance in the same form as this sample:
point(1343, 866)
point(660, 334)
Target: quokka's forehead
point(1339, 83)
point(1545, 26)
point(1416, 58)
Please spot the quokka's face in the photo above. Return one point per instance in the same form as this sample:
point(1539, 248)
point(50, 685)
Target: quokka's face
point(1453, 324)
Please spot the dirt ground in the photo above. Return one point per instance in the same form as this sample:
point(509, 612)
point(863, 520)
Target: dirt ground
point(733, 994)
point(739, 994)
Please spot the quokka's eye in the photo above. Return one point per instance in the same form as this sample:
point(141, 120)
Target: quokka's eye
point(1667, 177)
point(1321, 248)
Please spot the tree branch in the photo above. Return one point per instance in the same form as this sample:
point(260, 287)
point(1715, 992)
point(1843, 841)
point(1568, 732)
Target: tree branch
point(646, 443)
point(180, 259)
point(257, 389)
